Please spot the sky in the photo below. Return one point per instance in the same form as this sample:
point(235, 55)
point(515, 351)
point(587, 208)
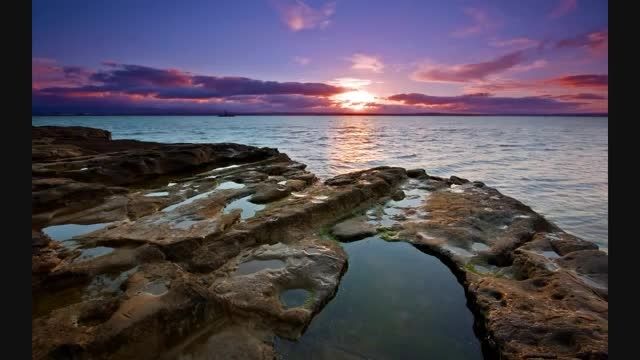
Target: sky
point(316, 56)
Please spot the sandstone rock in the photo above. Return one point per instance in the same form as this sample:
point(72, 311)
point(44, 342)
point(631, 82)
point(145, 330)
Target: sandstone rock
point(179, 260)
point(566, 243)
point(353, 229)
point(296, 184)
point(269, 192)
point(308, 178)
point(531, 302)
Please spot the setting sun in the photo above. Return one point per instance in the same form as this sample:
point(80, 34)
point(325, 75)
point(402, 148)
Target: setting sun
point(354, 100)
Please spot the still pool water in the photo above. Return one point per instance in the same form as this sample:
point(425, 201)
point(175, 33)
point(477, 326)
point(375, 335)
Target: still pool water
point(394, 302)
point(247, 208)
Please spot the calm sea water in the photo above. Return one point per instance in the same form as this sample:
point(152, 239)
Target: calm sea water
point(557, 165)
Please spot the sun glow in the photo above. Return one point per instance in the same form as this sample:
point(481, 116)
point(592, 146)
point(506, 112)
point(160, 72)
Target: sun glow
point(355, 100)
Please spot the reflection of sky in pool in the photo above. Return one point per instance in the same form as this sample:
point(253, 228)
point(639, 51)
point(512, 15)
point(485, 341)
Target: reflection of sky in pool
point(67, 231)
point(248, 208)
point(394, 302)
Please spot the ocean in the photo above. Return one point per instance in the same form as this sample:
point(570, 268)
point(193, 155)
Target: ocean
point(557, 165)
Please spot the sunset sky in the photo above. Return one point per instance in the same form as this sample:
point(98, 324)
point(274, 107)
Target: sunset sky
point(123, 56)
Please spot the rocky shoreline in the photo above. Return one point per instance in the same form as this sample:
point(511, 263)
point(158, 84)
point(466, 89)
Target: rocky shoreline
point(205, 238)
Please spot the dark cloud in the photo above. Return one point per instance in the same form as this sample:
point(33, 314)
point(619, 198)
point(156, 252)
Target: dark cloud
point(587, 81)
point(592, 81)
point(597, 41)
point(581, 96)
point(469, 72)
point(122, 76)
point(47, 72)
point(121, 88)
point(175, 84)
point(486, 103)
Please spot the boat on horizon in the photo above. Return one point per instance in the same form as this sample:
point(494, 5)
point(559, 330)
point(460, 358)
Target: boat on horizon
point(226, 114)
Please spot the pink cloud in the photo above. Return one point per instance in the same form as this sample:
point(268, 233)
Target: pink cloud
point(141, 89)
point(596, 41)
point(366, 62)
point(480, 23)
point(538, 64)
point(298, 15)
point(350, 83)
point(301, 60)
point(580, 96)
point(487, 103)
point(47, 73)
point(501, 86)
point(598, 82)
point(563, 7)
point(468, 72)
point(581, 81)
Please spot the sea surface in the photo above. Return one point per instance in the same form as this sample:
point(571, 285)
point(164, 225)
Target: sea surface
point(556, 165)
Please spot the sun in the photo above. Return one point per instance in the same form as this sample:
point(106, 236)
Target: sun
point(354, 100)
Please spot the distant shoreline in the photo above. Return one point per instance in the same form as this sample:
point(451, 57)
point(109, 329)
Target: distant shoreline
point(316, 114)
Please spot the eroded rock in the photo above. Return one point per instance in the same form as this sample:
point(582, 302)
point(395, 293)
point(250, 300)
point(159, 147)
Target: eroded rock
point(532, 301)
point(353, 229)
point(205, 243)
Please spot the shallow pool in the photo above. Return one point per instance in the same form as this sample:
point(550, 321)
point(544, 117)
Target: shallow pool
point(394, 302)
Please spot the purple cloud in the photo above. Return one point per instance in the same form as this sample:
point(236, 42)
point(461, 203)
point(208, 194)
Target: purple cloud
point(596, 41)
point(298, 15)
point(124, 88)
point(563, 7)
point(519, 43)
point(598, 82)
point(480, 23)
point(486, 103)
point(468, 72)
point(47, 72)
point(142, 88)
point(176, 84)
point(581, 96)
point(585, 81)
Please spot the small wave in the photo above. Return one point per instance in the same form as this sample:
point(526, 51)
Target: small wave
point(411, 156)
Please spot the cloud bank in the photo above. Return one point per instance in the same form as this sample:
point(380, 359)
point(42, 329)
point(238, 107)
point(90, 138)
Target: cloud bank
point(129, 88)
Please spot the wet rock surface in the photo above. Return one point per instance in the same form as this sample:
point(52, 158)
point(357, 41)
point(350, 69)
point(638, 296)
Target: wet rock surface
point(537, 291)
point(199, 247)
point(353, 229)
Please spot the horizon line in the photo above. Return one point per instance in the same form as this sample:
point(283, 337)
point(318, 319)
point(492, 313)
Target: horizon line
point(310, 114)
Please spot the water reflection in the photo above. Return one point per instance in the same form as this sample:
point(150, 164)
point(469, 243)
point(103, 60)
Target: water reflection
point(353, 144)
point(394, 302)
